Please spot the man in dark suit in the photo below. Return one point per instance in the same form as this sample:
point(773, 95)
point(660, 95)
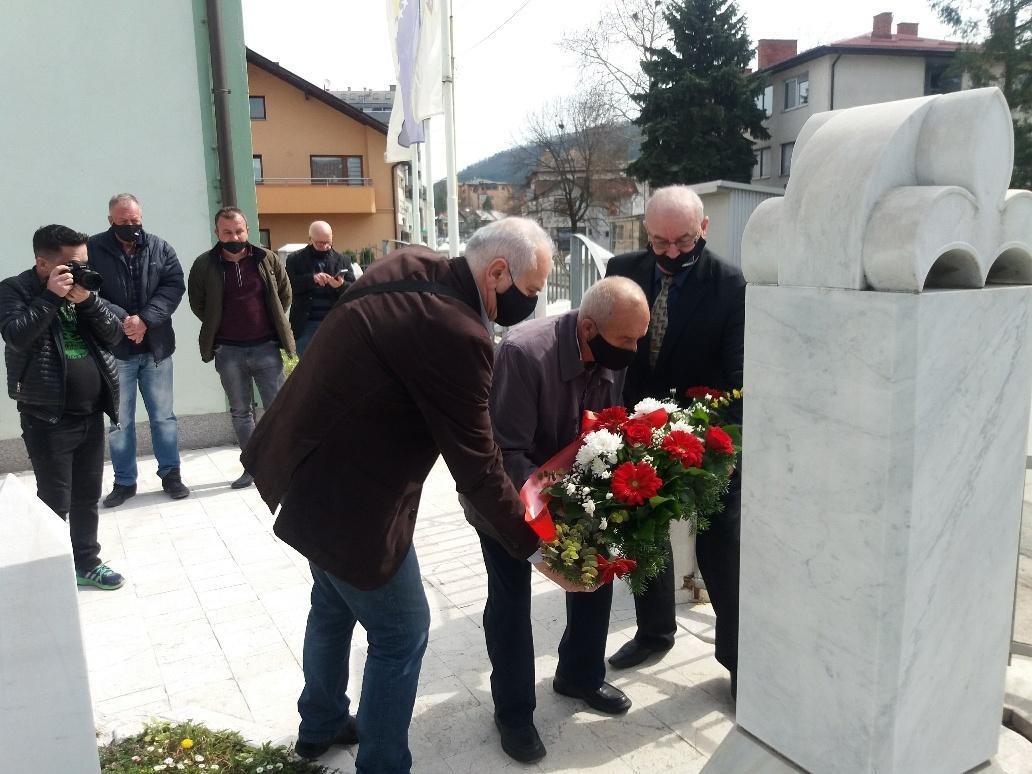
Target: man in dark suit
point(318, 276)
point(401, 374)
point(696, 338)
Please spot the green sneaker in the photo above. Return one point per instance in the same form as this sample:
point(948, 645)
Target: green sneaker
point(101, 576)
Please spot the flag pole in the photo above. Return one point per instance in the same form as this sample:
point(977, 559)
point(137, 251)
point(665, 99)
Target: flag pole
point(448, 91)
point(431, 208)
point(417, 225)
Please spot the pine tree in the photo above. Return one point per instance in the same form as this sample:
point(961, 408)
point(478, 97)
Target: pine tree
point(699, 113)
point(999, 53)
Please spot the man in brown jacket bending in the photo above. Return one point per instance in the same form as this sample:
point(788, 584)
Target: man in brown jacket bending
point(401, 374)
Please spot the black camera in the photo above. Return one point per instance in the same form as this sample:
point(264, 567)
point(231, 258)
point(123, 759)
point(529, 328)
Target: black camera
point(84, 276)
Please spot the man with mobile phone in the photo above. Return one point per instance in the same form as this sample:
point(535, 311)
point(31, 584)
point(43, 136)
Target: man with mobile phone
point(318, 276)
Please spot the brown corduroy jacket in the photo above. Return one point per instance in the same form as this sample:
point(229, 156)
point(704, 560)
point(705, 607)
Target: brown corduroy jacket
point(390, 381)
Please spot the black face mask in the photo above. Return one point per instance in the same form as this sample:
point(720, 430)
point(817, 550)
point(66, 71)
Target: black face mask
point(513, 306)
point(609, 356)
point(128, 232)
point(682, 261)
point(233, 247)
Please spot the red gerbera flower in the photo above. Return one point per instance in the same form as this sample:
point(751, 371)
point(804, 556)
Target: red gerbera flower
point(612, 418)
point(634, 484)
point(702, 392)
point(638, 431)
point(719, 441)
point(684, 447)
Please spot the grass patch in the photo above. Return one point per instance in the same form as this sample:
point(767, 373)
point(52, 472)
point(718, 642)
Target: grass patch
point(175, 747)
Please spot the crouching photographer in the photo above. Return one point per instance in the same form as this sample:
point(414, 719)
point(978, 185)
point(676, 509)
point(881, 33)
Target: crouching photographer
point(60, 370)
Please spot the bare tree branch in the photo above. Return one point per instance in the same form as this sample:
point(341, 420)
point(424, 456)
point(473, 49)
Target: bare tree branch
point(612, 50)
point(577, 150)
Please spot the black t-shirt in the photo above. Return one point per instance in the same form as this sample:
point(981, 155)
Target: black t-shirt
point(84, 387)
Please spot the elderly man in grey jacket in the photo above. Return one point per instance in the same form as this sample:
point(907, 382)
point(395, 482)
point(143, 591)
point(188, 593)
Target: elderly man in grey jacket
point(547, 373)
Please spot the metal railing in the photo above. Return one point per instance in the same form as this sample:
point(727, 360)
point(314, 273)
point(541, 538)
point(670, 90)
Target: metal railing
point(327, 181)
point(587, 266)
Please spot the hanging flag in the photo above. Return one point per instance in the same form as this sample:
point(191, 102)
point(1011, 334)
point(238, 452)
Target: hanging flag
point(414, 27)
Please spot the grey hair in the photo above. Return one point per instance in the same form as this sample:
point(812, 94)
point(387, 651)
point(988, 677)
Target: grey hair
point(514, 239)
point(122, 198)
point(675, 197)
point(599, 300)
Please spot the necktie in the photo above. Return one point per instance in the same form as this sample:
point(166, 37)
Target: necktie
point(659, 318)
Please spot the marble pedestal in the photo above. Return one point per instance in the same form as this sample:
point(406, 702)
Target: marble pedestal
point(883, 474)
point(46, 715)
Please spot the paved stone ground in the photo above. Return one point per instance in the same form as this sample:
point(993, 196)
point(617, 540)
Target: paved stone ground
point(210, 628)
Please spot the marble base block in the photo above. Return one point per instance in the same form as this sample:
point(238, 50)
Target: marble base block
point(883, 470)
point(46, 715)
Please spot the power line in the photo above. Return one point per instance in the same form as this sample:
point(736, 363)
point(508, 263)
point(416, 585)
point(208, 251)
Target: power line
point(496, 29)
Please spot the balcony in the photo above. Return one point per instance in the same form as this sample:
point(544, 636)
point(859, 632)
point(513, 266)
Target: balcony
point(313, 195)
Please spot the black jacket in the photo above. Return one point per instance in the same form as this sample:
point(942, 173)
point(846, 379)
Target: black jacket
point(301, 273)
point(705, 340)
point(35, 352)
point(161, 287)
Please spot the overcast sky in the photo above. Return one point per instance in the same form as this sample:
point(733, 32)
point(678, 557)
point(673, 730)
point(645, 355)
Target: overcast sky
point(522, 65)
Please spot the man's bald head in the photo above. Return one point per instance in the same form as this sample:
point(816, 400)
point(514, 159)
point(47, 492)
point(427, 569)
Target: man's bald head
point(320, 235)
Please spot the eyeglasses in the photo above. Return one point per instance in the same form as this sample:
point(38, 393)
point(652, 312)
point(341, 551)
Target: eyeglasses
point(683, 244)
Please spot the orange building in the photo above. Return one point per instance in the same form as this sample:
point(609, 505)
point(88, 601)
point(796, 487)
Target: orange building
point(318, 158)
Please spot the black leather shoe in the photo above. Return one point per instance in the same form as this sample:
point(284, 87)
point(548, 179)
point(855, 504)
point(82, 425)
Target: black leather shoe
point(173, 485)
point(606, 698)
point(634, 653)
point(347, 737)
point(243, 482)
point(521, 744)
point(119, 494)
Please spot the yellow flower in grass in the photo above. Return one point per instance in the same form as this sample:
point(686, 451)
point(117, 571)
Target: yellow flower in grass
point(187, 743)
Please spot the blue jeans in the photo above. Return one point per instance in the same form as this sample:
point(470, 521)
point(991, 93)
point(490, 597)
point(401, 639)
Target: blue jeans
point(396, 618)
point(305, 337)
point(154, 380)
point(237, 368)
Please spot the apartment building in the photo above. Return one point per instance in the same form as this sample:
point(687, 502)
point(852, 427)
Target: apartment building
point(317, 157)
point(878, 66)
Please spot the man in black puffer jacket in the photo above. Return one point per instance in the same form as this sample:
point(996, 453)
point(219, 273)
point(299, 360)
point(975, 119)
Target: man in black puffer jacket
point(61, 372)
point(143, 285)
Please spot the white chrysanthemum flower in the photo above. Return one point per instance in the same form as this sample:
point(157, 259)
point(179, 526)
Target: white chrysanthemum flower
point(599, 469)
point(604, 523)
point(600, 443)
point(648, 405)
point(681, 425)
point(589, 506)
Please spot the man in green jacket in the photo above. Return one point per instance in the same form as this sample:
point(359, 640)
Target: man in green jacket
point(240, 293)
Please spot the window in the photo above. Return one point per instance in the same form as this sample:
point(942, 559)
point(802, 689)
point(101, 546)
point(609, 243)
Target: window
point(762, 166)
point(940, 77)
point(797, 91)
point(337, 169)
point(257, 162)
point(257, 108)
point(765, 101)
point(786, 158)
point(264, 239)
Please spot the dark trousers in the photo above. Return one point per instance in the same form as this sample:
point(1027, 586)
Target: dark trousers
point(717, 550)
point(510, 639)
point(68, 461)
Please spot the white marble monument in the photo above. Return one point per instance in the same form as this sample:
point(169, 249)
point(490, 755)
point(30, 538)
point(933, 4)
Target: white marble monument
point(46, 716)
point(888, 369)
